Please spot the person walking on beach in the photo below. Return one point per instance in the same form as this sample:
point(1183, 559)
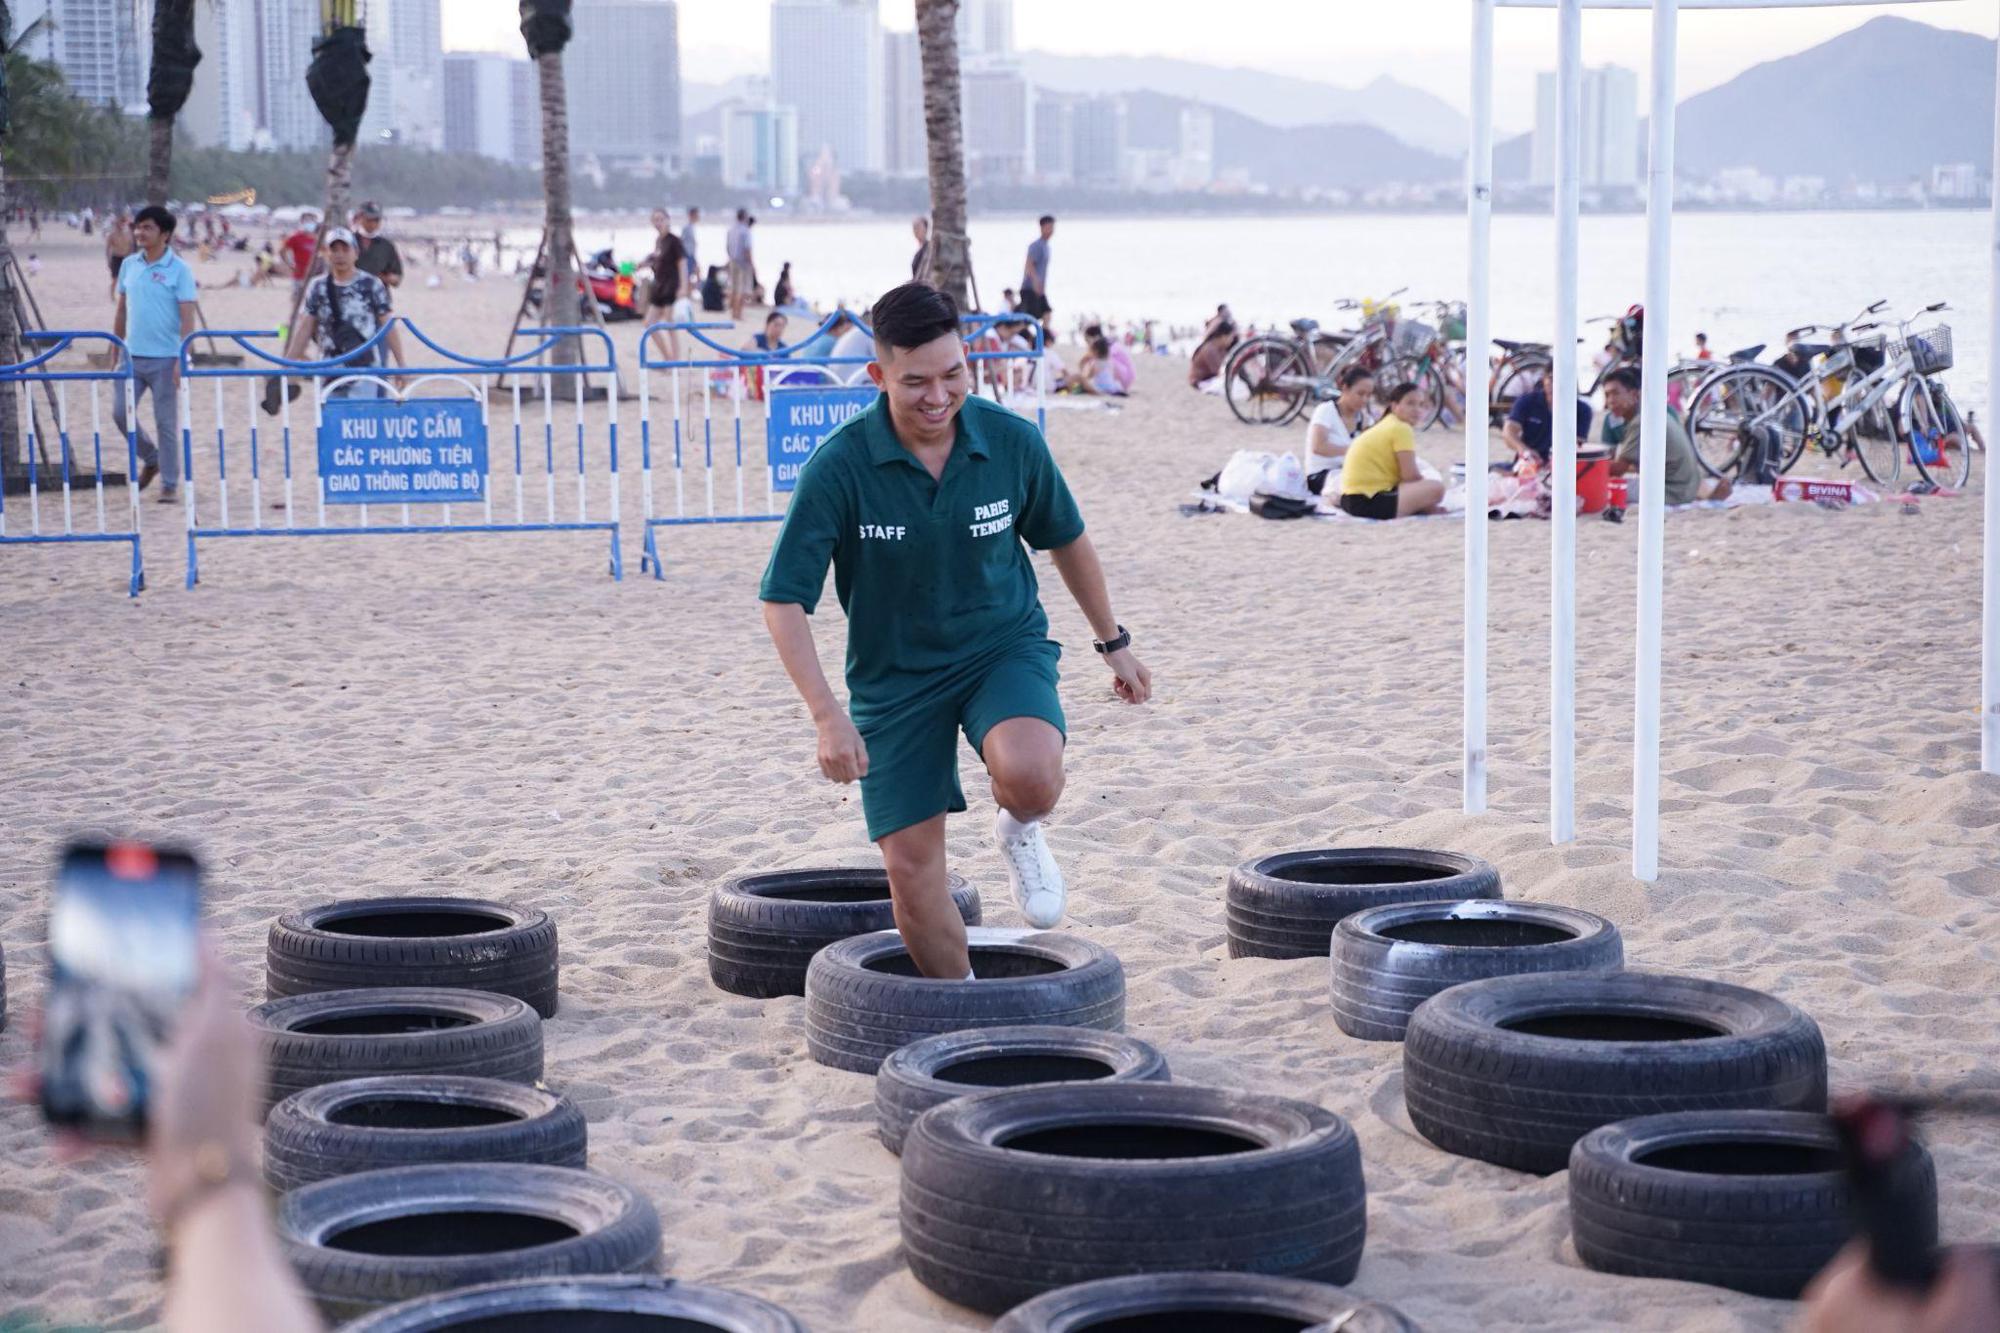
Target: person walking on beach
point(1035, 274)
point(375, 253)
point(922, 503)
point(156, 296)
point(118, 247)
point(688, 248)
point(742, 270)
point(920, 262)
point(299, 247)
point(669, 266)
point(343, 309)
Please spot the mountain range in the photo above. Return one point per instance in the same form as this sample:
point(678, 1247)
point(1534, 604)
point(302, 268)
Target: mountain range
point(1882, 102)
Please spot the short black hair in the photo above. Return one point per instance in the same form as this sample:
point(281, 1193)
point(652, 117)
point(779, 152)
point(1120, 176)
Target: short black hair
point(158, 215)
point(912, 315)
point(1045, 219)
point(1625, 377)
point(1402, 391)
point(1353, 375)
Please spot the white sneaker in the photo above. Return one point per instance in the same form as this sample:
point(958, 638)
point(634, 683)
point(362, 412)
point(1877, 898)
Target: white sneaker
point(1036, 879)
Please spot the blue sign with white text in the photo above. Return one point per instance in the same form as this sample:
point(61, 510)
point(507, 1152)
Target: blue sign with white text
point(412, 451)
point(800, 419)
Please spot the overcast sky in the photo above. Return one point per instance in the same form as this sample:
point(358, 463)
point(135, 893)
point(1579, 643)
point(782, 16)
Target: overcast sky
point(1346, 42)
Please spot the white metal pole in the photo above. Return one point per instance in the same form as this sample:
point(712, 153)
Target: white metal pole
point(1653, 450)
point(1478, 331)
point(1562, 397)
point(1989, 657)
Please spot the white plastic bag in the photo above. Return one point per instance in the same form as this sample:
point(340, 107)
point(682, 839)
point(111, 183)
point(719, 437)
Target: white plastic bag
point(1252, 471)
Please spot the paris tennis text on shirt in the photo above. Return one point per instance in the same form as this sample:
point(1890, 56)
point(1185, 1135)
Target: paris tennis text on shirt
point(992, 518)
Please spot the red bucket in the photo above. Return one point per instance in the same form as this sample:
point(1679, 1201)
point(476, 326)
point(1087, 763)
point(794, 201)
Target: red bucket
point(1593, 480)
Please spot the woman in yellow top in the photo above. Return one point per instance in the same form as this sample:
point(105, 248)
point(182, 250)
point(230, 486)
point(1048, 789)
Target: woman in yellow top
point(1381, 479)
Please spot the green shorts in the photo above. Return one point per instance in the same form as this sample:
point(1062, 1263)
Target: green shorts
point(913, 748)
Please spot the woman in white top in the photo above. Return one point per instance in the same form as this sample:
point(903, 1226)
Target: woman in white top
point(1336, 423)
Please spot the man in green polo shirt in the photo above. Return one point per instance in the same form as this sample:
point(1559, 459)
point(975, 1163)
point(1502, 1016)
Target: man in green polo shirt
point(921, 503)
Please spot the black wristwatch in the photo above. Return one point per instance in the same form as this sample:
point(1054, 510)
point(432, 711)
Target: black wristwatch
point(1124, 640)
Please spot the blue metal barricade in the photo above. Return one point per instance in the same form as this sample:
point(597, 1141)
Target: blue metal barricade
point(378, 442)
point(36, 376)
point(795, 399)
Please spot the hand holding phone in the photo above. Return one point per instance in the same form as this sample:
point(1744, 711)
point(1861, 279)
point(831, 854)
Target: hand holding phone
point(123, 959)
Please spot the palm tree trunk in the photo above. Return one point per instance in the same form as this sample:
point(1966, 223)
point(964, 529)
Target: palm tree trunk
point(13, 461)
point(562, 304)
point(339, 185)
point(159, 158)
point(937, 42)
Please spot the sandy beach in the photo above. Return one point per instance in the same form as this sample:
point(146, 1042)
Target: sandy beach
point(493, 716)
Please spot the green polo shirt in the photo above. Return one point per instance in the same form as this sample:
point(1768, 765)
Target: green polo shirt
point(933, 575)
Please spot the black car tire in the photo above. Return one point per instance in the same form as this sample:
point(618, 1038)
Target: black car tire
point(1388, 960)
point(461, 943)
point(365, 1241)
point(764, 929)
point(865, 998)
point(1009, 1194)
point(650, 1302)
point(1514, 1070)
point(1756, 1201)
point(1286, 905)
point(939, 1069)
point(1201, 1301)
point(365, 1124)
point(324, 1038)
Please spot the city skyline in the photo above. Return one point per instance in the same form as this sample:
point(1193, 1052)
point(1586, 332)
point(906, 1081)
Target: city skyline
point(1422, 43)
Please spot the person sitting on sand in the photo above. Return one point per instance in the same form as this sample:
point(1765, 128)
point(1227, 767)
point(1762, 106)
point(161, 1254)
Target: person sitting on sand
point(782, 296)
point(771, 340)
point(1530, 423)
point(926, 504)
point(1685, 482)
point(1380, 479)
point(1095, 374)
point(1337, 421)
point(1115, 356)
point(1217, 338)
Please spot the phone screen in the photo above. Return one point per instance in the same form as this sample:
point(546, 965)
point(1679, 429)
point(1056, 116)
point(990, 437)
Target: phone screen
point(122, 959)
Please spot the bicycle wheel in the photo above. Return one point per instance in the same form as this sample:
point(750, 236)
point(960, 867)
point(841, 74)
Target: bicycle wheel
point(1267, 381)
point(1936, 431)
point(1879, 445)
point(1732, 402)
point(1514, 376)
point(1420, 371)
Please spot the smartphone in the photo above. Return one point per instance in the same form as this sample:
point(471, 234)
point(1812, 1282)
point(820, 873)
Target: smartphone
point(122, 960)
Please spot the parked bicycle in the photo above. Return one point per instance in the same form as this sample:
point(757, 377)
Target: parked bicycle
point(1270, 379)
point(1866, 400)
point(1521, 365)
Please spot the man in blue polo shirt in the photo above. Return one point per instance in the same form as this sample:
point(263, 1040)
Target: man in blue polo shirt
point(922, 503)
point(156, 295)
point(1530, 424)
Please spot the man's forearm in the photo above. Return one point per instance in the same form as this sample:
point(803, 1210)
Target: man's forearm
point(791, 633)
point(1083, 575)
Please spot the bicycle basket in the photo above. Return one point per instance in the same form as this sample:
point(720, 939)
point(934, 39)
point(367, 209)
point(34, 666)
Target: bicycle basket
point(1869, 355)
point(1930, 351)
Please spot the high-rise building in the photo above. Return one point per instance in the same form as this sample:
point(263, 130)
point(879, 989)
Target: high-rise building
point(905, 150)
point(985, 28)
point(622, 70)
point(760, 147)
point(1194, 165)
point(1610, 158)
point(826, 64)
point(406, 74)
point(1055, 136)
point(491, 107)
point(283, 32)
point(97, 44)
point(999, 120)
point(1097, 144)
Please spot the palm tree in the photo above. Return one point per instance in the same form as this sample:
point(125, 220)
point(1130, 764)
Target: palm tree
point(338, 78)
point(12, 447)
point(545, 27)
point(167, 84)
point(937, 42)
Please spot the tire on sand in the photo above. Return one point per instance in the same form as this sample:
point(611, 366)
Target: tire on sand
point(939, 1069)
point(1192, 1302)
point(460, 943)
point(1286, 905)
point(1389, 960)
point(315, 1039)
point(763, 930)
point(366, 1241)
point(1009, 1194)
point(865, 998)
point(562, 1305)
point(365, 1124)
point(1514, 1070)
point(1757, 1201)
